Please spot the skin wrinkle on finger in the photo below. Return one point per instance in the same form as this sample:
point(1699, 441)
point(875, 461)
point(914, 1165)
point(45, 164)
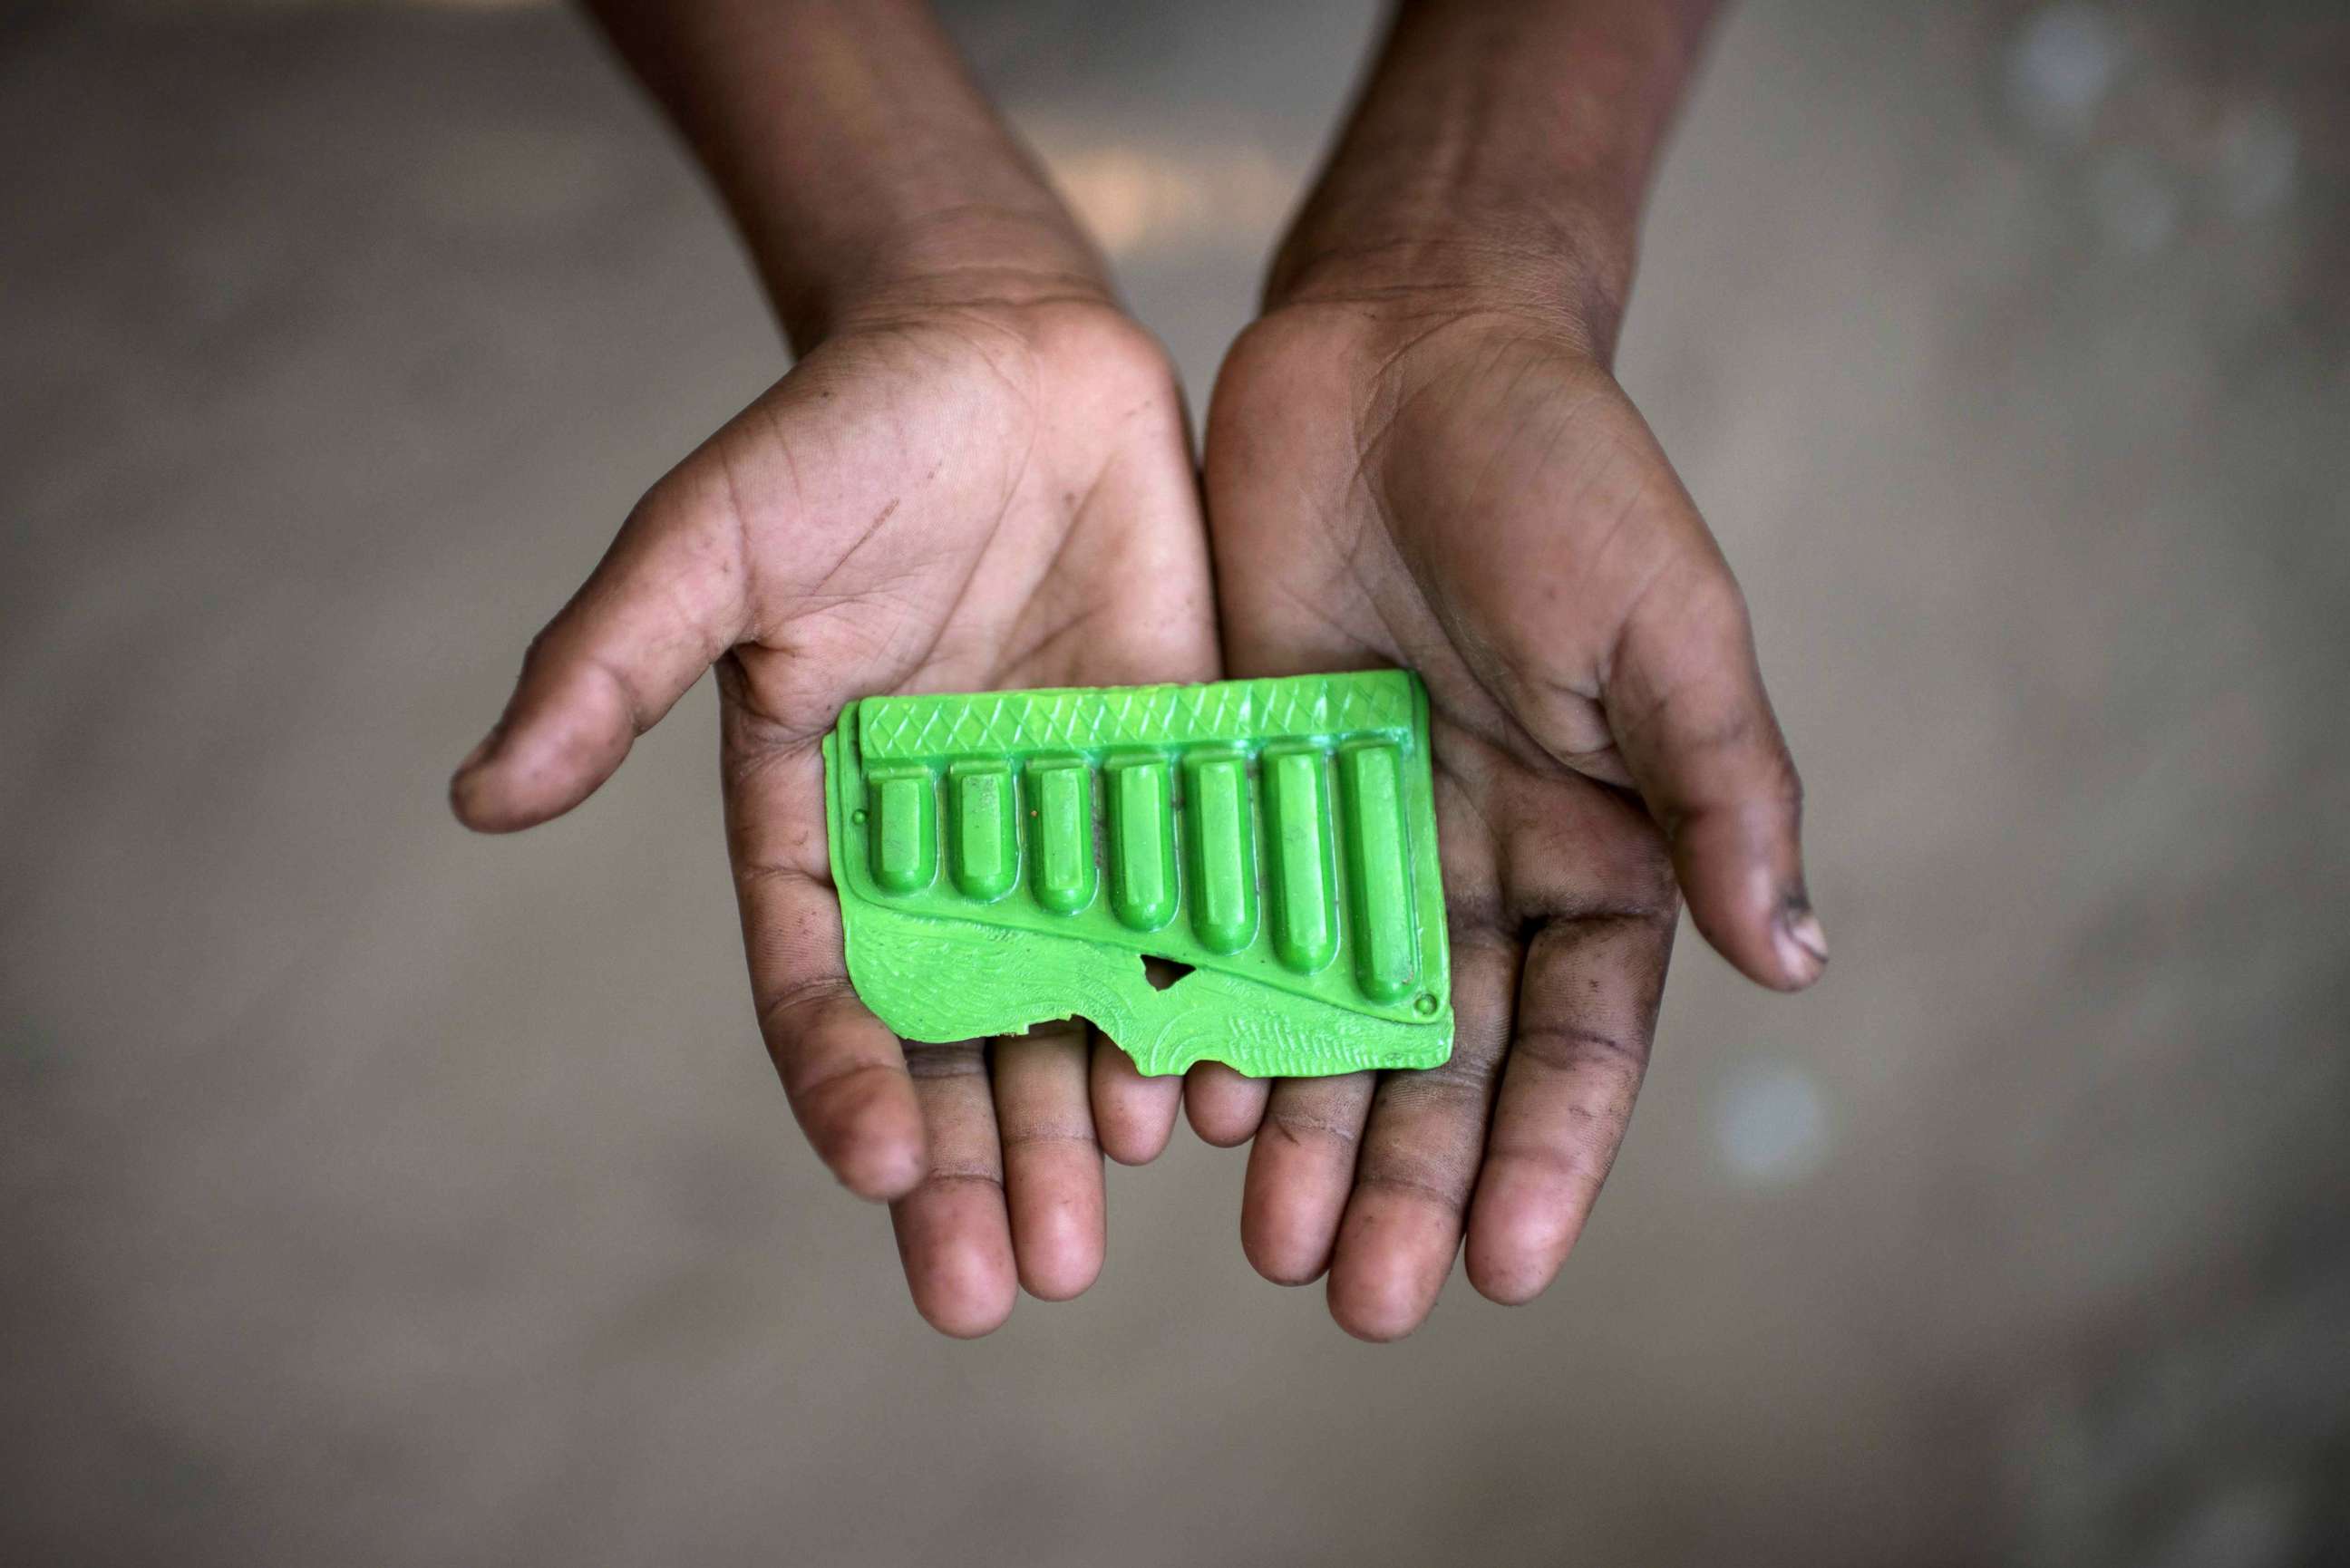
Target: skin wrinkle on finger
point(1582, 853)
point(804, 994)
point(830, 1081)
point(947, 1175)
point(1466, 1077)
point(716, 566)
point(963, 1059)
point(1562, 1047)
point(783, 865)
point(1296, 1125)
point(1785, 800)
point(750, 874)
point(609, 624)
point(1051, 1160)
point(1710, 632)
point(954, 1235)
point(1419, 1156)
point(1045, 1136)
point(753, 739)
point(1586, 1022)
point(1577, 1165)
point(1449, 1191)
point(1733, 731)
point(1301, 1172)
point(1684, 761)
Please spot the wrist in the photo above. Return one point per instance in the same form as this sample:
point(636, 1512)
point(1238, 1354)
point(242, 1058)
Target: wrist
point(1568, 269)
point(944, 255)
point(863, 166)
point(1500, 154)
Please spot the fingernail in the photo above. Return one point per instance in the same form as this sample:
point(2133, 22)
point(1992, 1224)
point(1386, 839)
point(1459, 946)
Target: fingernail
point(1803, 945)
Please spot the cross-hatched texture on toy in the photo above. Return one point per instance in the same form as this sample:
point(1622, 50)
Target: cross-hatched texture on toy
point(1011, 858)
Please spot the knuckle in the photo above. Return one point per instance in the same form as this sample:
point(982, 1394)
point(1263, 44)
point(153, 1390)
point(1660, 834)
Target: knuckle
point(1467, 1075)
point(951, 1173)
point(1569, 1048)
point(832, 1094)
point(1020, 1133)
point(926, 1062)
point(1714, 599)
point(1577, 1166)
point(1298, 1124)
point(783, 1005)
point(1422, 1181)
point(1651, 894)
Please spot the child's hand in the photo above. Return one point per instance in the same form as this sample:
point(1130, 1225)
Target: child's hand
point(954, 495)
point(1463, 488)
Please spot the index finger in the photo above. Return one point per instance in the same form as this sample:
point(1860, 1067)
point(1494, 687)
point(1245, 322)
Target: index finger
point(843, 1070)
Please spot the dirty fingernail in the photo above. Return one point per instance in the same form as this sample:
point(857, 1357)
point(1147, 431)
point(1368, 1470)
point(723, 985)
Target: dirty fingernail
point(1803, 945)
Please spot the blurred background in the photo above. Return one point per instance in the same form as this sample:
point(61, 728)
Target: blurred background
point(372, 1192)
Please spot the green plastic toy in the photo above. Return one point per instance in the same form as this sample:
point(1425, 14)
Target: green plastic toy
point(1011, 857)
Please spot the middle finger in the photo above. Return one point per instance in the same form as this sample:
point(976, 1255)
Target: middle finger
point(1420, 1151)
point(1051, 1160)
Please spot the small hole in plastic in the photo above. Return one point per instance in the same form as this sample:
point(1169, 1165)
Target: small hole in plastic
point(1162, 973)
point(1425, 1005)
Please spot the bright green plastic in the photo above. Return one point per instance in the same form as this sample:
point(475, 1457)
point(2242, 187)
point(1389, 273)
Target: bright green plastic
point(1011, 858)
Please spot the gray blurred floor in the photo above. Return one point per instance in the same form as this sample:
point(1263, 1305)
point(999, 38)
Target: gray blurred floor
point(371, 1192)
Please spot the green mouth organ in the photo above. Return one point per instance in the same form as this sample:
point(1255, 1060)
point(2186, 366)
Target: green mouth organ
point(1008, 858)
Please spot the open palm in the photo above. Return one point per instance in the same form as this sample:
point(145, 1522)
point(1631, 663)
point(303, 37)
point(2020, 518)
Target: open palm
point(959, 498)
point(1468, 493)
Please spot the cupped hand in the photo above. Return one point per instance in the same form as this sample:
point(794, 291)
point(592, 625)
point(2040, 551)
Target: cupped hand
point(1463, 488)
point(955, 495)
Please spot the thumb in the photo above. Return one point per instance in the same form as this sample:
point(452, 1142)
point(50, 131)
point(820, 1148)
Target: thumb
point(1684, 697)
point(667, 599)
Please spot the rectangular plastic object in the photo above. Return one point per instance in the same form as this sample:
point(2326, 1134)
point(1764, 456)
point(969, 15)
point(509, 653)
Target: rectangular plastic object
point(1009, 858)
